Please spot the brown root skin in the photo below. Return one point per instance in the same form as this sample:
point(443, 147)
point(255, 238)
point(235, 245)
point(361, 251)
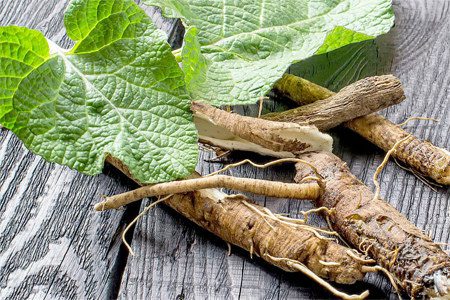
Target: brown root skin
point(235, 132)
point(420, 266)
point(358, 99)
point(231, 219)
point(268, 188)
point(423, 156)
point(431, 161)
point(234, 222)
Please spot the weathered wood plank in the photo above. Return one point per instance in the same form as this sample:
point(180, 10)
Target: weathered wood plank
point(52, 243)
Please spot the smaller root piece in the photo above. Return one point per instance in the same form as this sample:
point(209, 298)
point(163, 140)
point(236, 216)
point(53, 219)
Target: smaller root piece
point(383, 164)
point(429, 160)
point(298, 266)
point(257, 186)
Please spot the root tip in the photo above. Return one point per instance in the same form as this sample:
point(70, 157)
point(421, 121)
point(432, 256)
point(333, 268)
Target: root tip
point(99, 206)
point(364, 295)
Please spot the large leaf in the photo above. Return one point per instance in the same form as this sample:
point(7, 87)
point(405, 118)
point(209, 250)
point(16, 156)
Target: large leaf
point(247, 45)
point(118, 92)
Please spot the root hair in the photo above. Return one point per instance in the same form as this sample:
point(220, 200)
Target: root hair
point(383, 164)
point(416, 118)
point(298, 266)
point(143, 213)
point(388, 275)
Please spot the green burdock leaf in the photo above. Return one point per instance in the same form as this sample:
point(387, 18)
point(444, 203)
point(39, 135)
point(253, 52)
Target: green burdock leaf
point(22, 50)
point(118, 92)
point(247, 45)
point(194, 63)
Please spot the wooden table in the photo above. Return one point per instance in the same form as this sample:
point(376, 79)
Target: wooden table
point(53, 245)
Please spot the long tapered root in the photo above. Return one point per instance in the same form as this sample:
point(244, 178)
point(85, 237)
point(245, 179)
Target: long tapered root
point(268, 188)
point(169, 188)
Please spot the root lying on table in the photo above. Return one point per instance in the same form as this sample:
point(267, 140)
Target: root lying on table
point(309, 189)
point(370, 224)
point(429, 160)
point(358, 99)
point(268, 188)
point(229, 218)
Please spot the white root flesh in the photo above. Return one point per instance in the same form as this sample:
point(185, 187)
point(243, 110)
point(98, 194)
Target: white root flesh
point(231, 131)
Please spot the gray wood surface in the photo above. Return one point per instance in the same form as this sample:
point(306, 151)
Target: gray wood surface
point(52, 245)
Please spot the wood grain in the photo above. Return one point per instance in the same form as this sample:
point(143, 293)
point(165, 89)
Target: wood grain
point(53, 246)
